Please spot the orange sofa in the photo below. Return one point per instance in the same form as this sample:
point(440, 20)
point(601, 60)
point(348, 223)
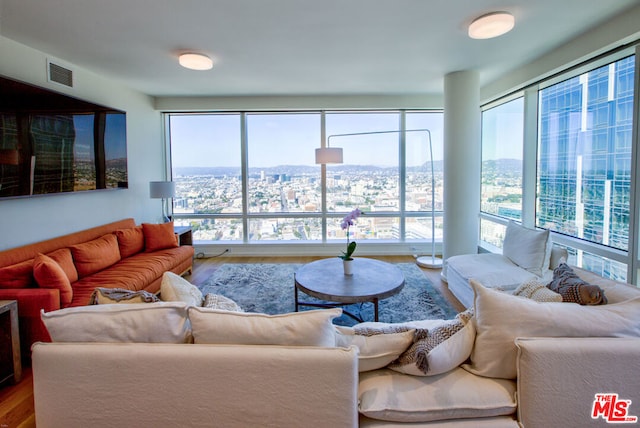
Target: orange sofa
point(64, 271)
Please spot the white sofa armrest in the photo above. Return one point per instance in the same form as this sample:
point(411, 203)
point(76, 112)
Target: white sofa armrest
point(558, 379)
point(139, 384)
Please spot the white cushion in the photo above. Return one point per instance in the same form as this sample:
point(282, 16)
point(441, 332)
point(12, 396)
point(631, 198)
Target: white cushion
point(500, 318)
point(440, 349)
point(490, 269)
point(534, 290)
point(161, 322)
point(377, 349)
point(494, 422)
point(417, 324)
point(528, 248)
point(307, 328)
point(217, 301)
point(391, 396)
point(175, 288)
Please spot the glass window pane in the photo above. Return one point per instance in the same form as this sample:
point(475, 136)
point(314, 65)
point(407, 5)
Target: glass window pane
point(584, 155)
point(285, 229)
point(218, 229)
point(602, 266)
point(205, 163)
point(492, 233)
point(366, 227)
point(502, 145)
point(419, 174)
point(369, 177)
point(283, 176)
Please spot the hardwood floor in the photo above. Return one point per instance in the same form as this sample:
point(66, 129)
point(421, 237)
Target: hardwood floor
point(16, 401)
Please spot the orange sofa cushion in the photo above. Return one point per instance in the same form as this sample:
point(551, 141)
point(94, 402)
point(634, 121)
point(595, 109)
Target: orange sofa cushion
point(95, 255)
point(159, 236)
point(49, 274)
point(130, 241)
point(19, 275)
point(64, 258)
point(134, 273)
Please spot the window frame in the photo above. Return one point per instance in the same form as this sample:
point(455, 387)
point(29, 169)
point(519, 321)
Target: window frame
point(403, 245)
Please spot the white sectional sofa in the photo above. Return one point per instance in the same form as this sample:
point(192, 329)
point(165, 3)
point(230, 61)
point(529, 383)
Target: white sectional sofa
point(514, 362)
point(527, 254)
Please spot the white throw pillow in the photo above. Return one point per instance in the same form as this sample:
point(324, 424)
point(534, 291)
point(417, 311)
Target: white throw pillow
point(391, 396)
point(307, 328)
point(501, 317)
point(161, 322)
point(376, 348)
point(439, 349)
point(534, 290)
point(175, 288)
point(217, 301)
point(528, 248)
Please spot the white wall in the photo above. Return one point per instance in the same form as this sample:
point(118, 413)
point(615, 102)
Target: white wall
point(27, 220)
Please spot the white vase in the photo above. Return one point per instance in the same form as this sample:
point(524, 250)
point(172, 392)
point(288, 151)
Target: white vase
point(348, 266)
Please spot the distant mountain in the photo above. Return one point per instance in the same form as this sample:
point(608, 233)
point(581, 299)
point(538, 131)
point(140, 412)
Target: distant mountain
point(215, 171)
point(503, 165)
point(291, 169)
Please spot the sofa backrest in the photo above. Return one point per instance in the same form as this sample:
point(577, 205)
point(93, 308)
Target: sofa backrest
point(577, 381)
point(27, 252)
point(144, 384)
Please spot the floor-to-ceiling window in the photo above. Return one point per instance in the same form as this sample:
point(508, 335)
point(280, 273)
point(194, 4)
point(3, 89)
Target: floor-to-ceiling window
point(207, 170)
point(584, 161)
point(283, 181)
point(251, 176)
point(581, 178)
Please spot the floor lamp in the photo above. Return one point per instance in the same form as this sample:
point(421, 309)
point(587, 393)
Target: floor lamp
point(162, 190)
point(329, 155)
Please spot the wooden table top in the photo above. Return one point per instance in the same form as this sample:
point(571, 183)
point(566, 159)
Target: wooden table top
point(371, 279)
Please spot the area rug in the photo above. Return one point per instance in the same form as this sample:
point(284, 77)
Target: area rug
point(268, 288)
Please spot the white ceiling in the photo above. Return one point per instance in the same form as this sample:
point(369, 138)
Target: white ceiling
point(294, 47)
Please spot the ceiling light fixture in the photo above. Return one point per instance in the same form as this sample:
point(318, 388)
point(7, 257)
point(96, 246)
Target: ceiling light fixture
point(195, 61)
point(491, 25)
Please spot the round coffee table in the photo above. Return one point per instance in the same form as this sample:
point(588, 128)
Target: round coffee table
point(372, 281)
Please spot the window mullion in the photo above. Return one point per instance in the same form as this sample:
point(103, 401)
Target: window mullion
point(530, 150)
point(244, 165)
point(402, 142)
point(634, 191)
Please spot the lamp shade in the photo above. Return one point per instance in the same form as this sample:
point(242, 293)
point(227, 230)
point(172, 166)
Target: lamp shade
point(491, 25)
point(329, 155)
point(162, 189)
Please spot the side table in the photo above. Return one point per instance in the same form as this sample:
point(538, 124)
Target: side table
point(10, 365)
point(185, 235)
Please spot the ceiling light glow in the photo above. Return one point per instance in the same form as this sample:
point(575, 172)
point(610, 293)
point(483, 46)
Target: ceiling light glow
point(491, 25)
point(195, 61)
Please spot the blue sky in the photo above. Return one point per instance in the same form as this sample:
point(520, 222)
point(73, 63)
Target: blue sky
point(291, 139)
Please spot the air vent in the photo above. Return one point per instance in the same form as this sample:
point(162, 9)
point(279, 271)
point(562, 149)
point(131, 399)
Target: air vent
point(58, 74)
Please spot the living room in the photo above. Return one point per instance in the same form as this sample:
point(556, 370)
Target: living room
point(41, 218)
point(33, 219)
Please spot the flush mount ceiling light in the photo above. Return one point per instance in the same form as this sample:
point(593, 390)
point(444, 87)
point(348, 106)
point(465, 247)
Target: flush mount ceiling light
point(491, 25)
point(195, 61)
